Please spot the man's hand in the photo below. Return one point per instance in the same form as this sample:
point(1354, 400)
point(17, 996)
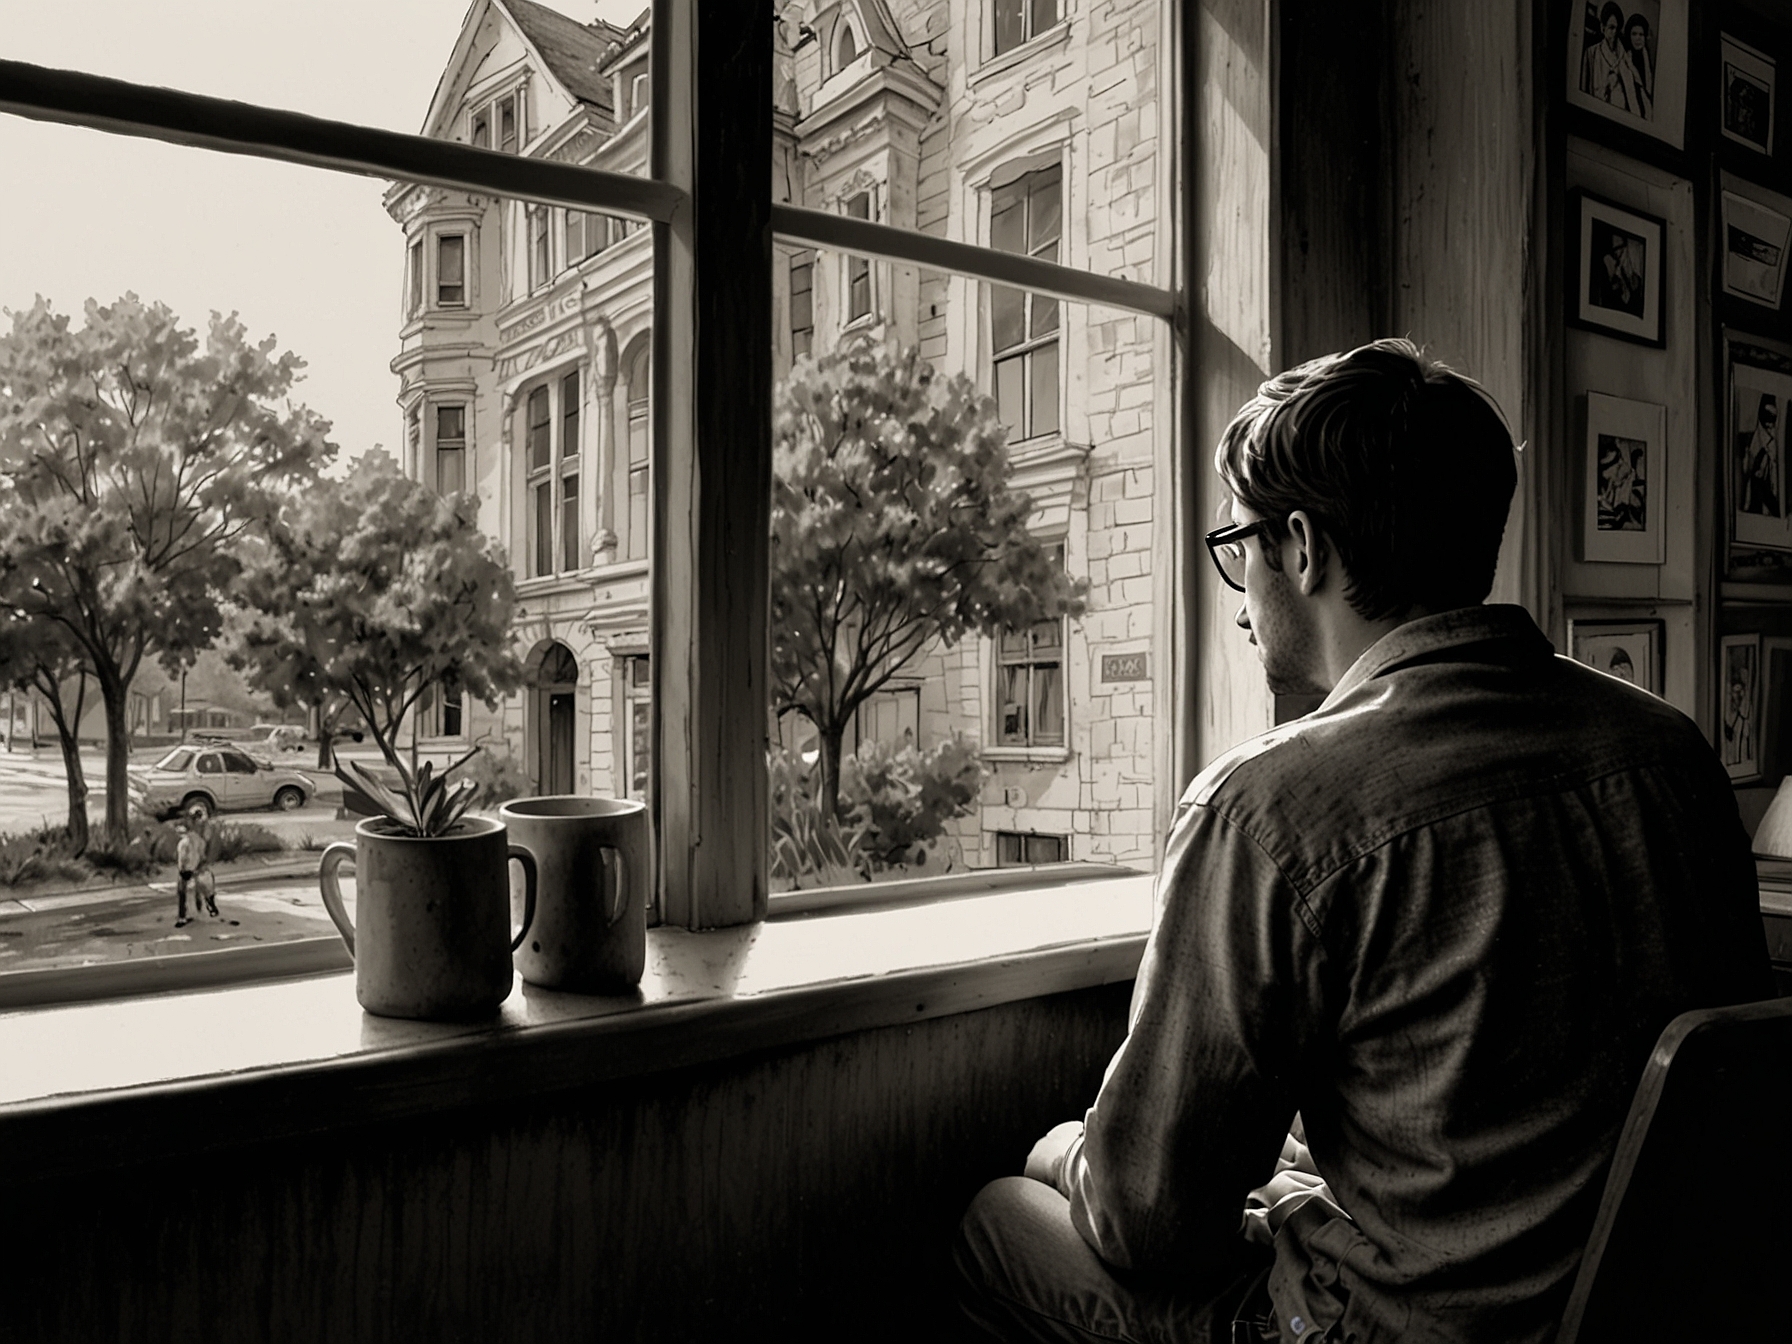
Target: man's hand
point(1046, 1161)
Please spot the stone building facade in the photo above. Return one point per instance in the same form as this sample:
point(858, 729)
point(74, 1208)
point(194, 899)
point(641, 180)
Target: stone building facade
point(1033, 125)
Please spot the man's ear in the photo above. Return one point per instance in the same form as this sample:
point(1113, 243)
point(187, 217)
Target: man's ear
point(1312, 552)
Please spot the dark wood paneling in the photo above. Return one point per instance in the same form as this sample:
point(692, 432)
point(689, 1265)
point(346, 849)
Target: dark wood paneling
point(808, 1192)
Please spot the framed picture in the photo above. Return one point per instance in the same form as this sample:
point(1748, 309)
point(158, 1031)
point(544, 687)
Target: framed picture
point(1748, 89)
point(1739, 706)
point(1628, 650)
point(1628, 63)
point(1618, 288)
point(1760, 396)
point(1756, 229)
point(1625, 476)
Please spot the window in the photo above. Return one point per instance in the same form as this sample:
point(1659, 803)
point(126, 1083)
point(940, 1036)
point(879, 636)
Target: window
point(1023, 849)
point(481, 134)
point(1026, 216)
point(637, 700)
point(451, 709)
point(440, 713)
point(1018, 21)
point(569, 472)
point(451, 450)
point(802, 304)
point(236, 763)
point(639, 426)
point(508, 123)
point(451, 270)
point(210, 764)
point(551, 465)
point(414, 282)
point(858, 269)
point(1030, 683)
point(846, 49)
point(505, 115)
point(540, 269)
point(638, 92)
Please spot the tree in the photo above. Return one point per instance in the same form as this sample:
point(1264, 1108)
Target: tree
point(37, 654)
point(371, 590)
point(135, 457)
point(893, 529)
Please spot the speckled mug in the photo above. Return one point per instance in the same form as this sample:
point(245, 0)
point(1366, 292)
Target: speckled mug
point(431, 934)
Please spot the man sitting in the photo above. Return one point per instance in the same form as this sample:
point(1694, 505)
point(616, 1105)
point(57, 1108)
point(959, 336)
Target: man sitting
point(1439, 923)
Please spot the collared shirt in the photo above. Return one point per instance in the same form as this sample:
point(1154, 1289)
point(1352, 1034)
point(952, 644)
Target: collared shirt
point(1444, 918)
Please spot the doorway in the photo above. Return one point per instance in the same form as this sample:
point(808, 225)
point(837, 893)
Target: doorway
point(556, 720)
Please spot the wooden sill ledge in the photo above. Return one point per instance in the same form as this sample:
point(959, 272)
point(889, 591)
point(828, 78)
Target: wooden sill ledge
point(120, 1082)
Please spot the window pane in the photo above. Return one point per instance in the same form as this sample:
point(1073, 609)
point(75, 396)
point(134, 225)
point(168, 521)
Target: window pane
point(1007, 317)
point(569, 417)
point(1026, 721)
point(451, 423)
point(569, 523)
point(451, 269)
point(1044, 15)
point(540, 429)
point(507, 125)
point(544, 528)
point(1010, 23)
point(451, 471)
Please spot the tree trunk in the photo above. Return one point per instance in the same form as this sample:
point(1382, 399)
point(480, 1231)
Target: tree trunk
point(68, 736)
point(115, 695)
point(830, 769)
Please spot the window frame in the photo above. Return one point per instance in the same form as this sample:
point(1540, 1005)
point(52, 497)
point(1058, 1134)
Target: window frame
point(440, 239)
point(710, 457)
point(1031, 29)
point(454, 445)
point(1027, 350)
point(999, 659)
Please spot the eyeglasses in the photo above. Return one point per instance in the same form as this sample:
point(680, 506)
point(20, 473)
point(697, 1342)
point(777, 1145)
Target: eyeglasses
point(1226, 546)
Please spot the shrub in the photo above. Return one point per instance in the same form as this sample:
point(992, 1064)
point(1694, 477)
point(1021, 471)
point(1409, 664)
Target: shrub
point(499, 777)
point(236, 839)
point(42, 855)
point(134, 858)
point(895, 804)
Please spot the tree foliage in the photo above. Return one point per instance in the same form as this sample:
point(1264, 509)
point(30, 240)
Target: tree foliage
point(136, 455)
point(371, 590)
point(894, 528)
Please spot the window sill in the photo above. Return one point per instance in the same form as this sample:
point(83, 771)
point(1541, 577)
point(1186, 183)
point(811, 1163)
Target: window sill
point(1027, 755)
point(550, 585)
point(97, 1083)
point(1054, 36)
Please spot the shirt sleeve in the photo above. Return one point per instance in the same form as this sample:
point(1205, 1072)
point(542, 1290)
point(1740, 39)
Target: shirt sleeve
point(1195, 1105)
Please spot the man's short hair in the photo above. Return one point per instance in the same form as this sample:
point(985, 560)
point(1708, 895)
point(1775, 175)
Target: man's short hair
point(1406, 465)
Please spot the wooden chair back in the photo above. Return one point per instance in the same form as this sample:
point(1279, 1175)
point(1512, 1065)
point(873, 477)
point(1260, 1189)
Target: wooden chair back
point(1693, 1239)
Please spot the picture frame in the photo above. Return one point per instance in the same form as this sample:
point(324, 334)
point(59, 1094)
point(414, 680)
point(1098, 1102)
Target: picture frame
point(1758, 401)
point(1747, 93)
point(1776, 699)
point(1627, 64)
point(1617, 287)
point(1739, 706)
point(1628, 650)
point(1757, 241)
point(1622, 518)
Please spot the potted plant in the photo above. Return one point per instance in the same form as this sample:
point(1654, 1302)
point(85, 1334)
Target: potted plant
point(431, 933)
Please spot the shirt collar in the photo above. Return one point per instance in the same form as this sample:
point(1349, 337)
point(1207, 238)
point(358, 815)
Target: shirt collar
point(1434, 634)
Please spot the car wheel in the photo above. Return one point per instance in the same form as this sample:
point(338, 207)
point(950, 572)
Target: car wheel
point(289, 798)
point(197, 807)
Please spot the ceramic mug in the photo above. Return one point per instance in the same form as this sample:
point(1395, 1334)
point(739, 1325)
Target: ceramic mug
point(596, 861)
point(431, 934)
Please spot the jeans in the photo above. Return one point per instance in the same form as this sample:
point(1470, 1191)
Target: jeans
point(1025, 1273)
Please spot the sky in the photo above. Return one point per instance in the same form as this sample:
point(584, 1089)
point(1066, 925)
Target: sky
point(308, 256)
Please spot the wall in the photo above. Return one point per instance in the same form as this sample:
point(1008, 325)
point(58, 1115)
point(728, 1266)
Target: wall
point(809, 1192)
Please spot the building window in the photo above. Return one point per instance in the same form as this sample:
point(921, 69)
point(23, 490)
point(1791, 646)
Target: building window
point(413, 303)
point(637, 737)
point(538, 437)
point(451, 270)
point(540, 269)
point(451, 450)
point(846, 47)
point(638, 93)
point(481, 134)
point(441, 712)
point(508, 123)
point(802, 304)
point(858, 269)
point(640, 402)
point(1030, 683)
point(570, 557)
point(1018, 21)
point(1023, 849)
point(551, 466)
point(1026, 215)
point(451, 709)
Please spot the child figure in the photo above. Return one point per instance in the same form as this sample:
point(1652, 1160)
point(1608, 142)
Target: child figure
point(189, 857)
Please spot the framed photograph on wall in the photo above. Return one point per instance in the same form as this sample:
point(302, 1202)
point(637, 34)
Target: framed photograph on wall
point(1628, 63)
point(1754, 434)
point(1618, 280)
point(1747, 85)
point(1622, 518)
point(1739, 706)
point(1757, 226)
point(1628, 650)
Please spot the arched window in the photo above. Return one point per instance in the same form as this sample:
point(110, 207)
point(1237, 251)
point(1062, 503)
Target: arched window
point(846, 47)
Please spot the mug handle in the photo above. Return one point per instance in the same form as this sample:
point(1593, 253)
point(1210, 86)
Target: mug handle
point(326, 879)
point(634, 845)
point(530, 877)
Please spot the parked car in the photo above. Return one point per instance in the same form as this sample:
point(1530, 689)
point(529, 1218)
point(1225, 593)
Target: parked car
point(274, 737)
point(203, 778)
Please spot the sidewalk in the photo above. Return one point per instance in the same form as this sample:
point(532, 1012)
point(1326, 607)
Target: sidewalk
point(251, 870)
